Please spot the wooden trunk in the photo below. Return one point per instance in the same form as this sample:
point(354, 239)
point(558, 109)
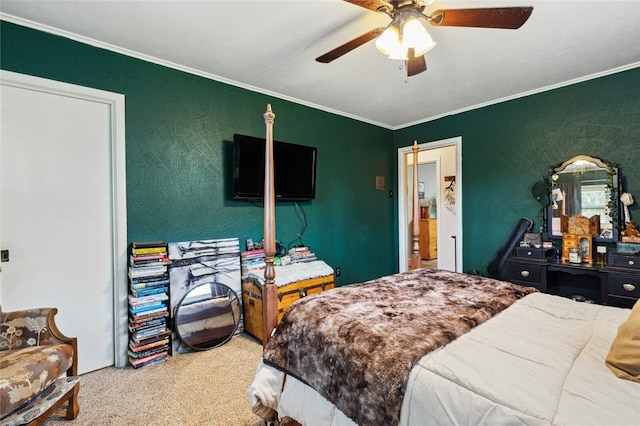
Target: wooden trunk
point(287, 294)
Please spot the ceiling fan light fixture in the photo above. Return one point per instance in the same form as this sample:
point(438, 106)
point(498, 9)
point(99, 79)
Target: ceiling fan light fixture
point(405, 32)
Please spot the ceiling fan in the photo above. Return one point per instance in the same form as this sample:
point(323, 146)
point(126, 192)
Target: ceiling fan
point(406, 38)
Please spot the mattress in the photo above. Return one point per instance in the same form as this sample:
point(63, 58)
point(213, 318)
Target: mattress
point(539, 362)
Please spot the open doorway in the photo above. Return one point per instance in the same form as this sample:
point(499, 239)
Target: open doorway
point(440, 181)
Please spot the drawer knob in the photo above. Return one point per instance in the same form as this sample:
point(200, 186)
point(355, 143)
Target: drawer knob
point(631, 263)
point(524, 273)
point(628, 286)
point(529, 253)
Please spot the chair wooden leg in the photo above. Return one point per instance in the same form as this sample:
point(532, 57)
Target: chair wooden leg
point(73, 408)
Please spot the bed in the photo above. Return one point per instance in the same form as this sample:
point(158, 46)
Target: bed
point(437, 347)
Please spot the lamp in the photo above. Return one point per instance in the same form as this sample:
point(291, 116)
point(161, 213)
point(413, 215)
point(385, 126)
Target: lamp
point(556, 195)
point(405, 32)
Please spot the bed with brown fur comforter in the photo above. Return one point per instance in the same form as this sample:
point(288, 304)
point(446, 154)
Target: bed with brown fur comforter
point(356, 345)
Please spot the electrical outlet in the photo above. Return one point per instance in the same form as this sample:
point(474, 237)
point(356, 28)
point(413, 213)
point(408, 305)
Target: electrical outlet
point(338, 271)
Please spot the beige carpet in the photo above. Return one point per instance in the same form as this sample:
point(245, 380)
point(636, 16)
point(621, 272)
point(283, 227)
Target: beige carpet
point(200, 388)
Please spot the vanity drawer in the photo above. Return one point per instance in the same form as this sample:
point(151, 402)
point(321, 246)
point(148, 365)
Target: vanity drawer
point(525, 273)
point(624, 261)
point(533, 253)
point(621, 302)
point(627, 285)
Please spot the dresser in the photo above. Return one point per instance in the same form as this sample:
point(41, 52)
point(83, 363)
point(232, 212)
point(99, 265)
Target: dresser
point(429, 239)
point(617, 283)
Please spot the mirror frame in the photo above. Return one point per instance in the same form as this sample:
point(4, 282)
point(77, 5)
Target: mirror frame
point(614, 185)
point(232, 296)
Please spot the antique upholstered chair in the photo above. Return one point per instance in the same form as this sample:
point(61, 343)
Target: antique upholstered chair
point(38, 368)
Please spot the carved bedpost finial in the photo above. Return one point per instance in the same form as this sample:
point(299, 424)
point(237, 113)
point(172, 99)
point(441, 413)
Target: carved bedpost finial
point(269, 115)
point(415, 240)
point(270, 290)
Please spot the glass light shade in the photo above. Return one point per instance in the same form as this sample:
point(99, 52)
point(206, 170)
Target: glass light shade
point(415, 36)
point(389, 40)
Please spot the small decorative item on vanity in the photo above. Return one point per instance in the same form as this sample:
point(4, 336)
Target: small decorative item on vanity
point(584, 242)
point(602, 255)
point(578, 236)
point(575, 255)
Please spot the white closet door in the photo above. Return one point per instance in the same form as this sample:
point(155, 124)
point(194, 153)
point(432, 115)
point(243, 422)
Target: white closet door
point(56, 215)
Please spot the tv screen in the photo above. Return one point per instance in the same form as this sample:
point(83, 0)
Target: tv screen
point(294, 169)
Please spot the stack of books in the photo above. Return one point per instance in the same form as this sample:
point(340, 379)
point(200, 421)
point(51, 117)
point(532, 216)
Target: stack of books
point(301, 254)
point(149, 335)
point(251, 261)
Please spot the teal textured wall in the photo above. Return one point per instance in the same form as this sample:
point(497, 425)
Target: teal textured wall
point(178, 132)
point(178, 128)
point(509, 146)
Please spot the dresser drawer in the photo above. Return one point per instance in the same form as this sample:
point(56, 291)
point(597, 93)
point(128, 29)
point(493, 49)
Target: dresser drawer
point(624, 261)
point(528, 274)
point(627, 285)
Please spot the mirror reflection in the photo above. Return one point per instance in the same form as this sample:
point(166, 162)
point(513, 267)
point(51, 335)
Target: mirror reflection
point(207, 316)
point(582, 186)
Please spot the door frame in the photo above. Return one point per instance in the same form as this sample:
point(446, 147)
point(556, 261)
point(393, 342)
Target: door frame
point(403, 224)
point(116, 104)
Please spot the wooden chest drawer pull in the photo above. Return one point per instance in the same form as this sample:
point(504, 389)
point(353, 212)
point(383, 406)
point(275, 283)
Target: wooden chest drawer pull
point(302, 292)
point(524, 273)
point(529, 253)
point(628, 287)
point(632, 262)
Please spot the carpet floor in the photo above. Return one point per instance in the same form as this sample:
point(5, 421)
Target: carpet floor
point(199, 388)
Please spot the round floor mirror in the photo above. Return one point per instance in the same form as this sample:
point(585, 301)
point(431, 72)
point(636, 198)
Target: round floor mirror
point(207, 316)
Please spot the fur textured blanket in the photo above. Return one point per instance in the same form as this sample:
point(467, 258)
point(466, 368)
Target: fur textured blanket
point(356, 344)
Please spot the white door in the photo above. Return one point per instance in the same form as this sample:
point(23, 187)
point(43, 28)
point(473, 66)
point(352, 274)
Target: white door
point(57, 212)
point(447, 154)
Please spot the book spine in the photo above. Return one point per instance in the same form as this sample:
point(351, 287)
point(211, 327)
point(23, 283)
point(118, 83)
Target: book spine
point(151, 298)
point(148, 250)
point(149, 282)
point(149, 262)
point(147, 271)
point(145, 326)
point(152, 362)
point(149, 257)
point(148, 291)
point(147, 359)
point(145, 310)
point(147, 244)
point(138, 348)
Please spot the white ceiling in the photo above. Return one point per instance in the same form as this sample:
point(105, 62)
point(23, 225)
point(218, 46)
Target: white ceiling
point(271, 46)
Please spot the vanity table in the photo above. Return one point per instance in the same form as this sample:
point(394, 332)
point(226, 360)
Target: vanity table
point(581, 187)
point(617, 283)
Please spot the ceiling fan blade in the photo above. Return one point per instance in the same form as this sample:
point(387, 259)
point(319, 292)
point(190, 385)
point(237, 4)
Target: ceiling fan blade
point(349, 46)
point(496, 17)
point(374, 5)
point(415, 65)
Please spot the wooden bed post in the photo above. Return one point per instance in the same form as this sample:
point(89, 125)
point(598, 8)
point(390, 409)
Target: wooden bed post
point(270, 290)
point(415, 240)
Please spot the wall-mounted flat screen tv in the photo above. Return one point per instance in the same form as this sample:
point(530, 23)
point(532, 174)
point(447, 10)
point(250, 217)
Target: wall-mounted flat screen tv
point(294, 170)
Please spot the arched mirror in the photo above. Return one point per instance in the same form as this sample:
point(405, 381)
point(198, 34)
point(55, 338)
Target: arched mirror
point(207, 316)
point(585, 186)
